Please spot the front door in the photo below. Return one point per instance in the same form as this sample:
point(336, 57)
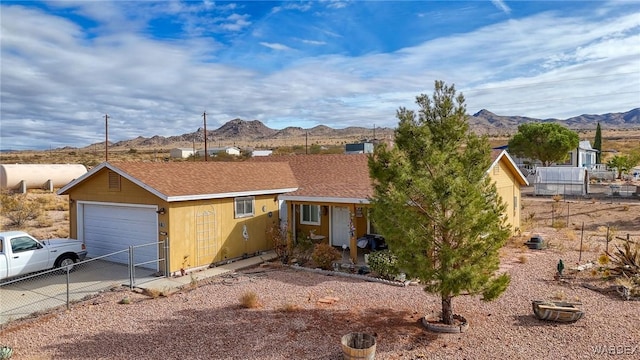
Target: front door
point(340, 217)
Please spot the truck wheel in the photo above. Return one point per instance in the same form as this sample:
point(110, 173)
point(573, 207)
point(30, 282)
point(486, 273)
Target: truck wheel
point(64, 262)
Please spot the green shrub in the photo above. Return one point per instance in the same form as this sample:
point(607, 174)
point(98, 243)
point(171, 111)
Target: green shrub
point(324, 255)
point(384, 263)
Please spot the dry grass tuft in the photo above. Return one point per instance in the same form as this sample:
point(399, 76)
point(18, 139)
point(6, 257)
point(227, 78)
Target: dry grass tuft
point(290, 307)
point(249, 300)
point(522, 259)
point(559, 295)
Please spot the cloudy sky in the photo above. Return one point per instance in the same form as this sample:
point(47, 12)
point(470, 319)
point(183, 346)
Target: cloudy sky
point(156, 66)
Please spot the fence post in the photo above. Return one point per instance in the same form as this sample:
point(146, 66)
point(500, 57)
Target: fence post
point(131, 268)
point(68, 305)
point(567, 214)
point(607, 246)
point(581, 237)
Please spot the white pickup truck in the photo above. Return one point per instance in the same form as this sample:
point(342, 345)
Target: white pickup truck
point(21, 253)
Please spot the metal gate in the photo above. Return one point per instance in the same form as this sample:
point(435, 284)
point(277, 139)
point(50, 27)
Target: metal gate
point(207, 238)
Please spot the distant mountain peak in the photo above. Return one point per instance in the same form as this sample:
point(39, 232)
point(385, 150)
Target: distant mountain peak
point(485, 113)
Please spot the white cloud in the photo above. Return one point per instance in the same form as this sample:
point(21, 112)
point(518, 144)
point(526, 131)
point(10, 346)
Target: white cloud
point(500, 4)
point(275, 46)
point(57, 82)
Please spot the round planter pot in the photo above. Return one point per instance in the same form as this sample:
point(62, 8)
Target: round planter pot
point(433, 322)
point(359, 346)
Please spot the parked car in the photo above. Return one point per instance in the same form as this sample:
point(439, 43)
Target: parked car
point(21, 253)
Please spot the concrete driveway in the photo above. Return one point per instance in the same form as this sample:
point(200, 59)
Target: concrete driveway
point(49, 289)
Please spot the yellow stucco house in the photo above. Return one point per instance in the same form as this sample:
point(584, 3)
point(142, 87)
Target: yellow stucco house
point(201, 213)
point(195, 214)
point(332, 200)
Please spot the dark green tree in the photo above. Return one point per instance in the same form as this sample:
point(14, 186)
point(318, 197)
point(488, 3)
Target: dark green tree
point(597, 144)
point(438, 210)
point(548, 142)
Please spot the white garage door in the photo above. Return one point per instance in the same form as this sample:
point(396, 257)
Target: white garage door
point(109, 228)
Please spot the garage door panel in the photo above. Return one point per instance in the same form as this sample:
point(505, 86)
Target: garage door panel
point(112, 228)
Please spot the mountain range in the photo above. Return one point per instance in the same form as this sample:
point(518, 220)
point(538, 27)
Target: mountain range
point(254, 133)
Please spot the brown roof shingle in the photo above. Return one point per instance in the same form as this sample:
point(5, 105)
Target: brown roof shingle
point(180, 179)
point(328, 176)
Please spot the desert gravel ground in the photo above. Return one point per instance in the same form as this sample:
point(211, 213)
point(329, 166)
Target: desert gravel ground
point(207, 322)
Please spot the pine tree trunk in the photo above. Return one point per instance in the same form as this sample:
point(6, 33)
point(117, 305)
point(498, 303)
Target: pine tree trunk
point(447, 311)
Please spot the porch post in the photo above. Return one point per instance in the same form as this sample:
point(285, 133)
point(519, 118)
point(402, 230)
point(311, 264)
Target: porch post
point(353, 244)
point(290, 225)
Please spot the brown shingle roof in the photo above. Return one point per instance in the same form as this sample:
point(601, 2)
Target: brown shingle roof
point(328, 176)
point(188, 180)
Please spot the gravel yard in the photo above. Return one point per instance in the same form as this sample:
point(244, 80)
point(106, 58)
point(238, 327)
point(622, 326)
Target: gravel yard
point(207, 322)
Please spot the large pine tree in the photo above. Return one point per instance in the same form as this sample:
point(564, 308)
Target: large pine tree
point(435, 204)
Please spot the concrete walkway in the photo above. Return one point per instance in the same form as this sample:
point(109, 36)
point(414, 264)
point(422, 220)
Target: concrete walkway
point(177, 282)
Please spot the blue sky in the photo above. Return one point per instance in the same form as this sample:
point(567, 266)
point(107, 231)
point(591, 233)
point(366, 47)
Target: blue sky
point(156, 66)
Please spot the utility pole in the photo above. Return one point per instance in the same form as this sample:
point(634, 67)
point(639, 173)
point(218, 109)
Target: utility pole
point(206, 151)
point(106, 137)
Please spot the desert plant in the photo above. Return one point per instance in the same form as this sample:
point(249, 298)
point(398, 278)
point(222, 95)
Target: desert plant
point(5, 352)
point(303, 249)
point(194, 280)
point(625, 260)
point(277, 234)
point(523, 259)
point(324, 255)
point(19, 208)
point(559, 295)
point(557, 197)
point(384, 263)
point(249, 300)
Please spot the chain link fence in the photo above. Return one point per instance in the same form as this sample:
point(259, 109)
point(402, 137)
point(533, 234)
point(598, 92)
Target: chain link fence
point(35, 293)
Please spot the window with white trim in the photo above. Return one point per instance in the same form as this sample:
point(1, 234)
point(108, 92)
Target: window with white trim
point(244, 206)
point(310, 214)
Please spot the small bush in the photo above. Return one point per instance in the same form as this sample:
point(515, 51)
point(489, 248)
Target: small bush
point(249, 300)
point(324, 255)
point(557, 197)
point(303, 249)
point(278, 236)
point(384, 263)
point(523, 259)
point(559, 224)
point(19, 208)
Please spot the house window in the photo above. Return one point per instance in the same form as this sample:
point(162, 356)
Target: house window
point(310, 214)
point(114, 181)
point(244, 206)
point(496, 169)
point(515, 205)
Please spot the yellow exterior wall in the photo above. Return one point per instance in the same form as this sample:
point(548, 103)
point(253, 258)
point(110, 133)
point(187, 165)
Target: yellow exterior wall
point(509, 190)
point(304, 229)
point(191, 243)
point(204, 232)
